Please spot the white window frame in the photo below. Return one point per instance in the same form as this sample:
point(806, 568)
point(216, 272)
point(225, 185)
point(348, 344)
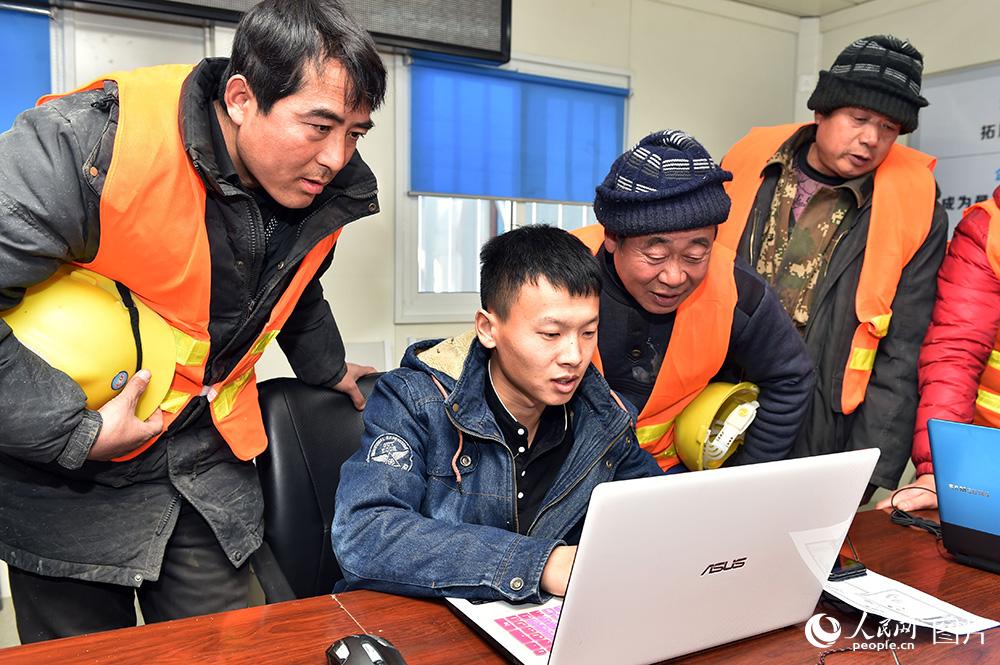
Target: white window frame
point(412, 306)
point(69, 23)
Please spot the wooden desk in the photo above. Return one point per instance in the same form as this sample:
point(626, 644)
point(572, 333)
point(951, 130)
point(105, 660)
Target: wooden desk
point(426, 632)
point(910, 556)
point(295, 632)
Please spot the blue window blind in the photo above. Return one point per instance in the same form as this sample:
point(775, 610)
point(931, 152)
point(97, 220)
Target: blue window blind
point(24, 48)
point(478, 131)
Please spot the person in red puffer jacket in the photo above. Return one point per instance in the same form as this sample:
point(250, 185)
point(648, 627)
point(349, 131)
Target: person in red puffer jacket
point(959, 367)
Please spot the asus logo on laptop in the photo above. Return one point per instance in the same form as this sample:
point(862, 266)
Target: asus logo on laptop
point(968, 490)
point(723, 566)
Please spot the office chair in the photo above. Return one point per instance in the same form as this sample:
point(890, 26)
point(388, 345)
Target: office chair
point(311, 431)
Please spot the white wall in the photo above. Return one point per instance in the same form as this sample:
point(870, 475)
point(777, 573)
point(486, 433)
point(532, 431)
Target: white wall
point(712, 68)
point(949, 33)
point(92, 45)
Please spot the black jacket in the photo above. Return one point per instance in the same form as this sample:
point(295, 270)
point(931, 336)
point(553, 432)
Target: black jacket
point(886, 417)
point(61, 515)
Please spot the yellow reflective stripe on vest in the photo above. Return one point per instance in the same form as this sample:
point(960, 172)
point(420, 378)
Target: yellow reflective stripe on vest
point(881, 323)
point(190, 351)
point(224, 401)
point(989, 401)
point(174, 400)
point(648, 434)
point(264, 340)
point(862, 359)
point(994, 360)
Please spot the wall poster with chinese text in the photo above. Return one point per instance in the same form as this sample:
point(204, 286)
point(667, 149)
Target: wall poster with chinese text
point(961, 127)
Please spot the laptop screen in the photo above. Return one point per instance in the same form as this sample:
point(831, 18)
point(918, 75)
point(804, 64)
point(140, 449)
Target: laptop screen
point(967, 474)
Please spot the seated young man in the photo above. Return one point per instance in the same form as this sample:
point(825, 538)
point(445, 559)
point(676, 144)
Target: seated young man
point(480, 453)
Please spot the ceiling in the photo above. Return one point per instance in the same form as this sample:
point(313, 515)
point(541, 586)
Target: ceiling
point(804, 7)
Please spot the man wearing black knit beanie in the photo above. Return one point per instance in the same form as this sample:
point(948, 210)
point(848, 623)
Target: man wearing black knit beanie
point(845, 225)
point(679, 312)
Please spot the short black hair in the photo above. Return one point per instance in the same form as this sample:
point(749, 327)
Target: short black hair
point(276, 39)
point(523, 255)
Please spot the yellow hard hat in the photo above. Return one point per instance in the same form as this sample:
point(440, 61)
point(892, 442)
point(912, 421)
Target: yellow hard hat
point(712, 426)
point(80, 323)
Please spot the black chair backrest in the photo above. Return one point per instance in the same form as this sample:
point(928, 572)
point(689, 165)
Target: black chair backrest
point(311, 432)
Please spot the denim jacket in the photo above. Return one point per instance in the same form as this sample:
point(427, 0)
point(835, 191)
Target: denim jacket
point(417, 515)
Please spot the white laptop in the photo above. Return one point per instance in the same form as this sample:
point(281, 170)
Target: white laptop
point(674, 564)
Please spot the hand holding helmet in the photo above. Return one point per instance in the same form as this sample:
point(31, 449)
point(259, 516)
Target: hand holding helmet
point(86, 325)
point(122, 432)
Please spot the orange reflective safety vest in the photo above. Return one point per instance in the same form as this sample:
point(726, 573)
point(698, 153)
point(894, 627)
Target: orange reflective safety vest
point(988, 396)
point(154, 241)
point(902, 209)
point(696, 352)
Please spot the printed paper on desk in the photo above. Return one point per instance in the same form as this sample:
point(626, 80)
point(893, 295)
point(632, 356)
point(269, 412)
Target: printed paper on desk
point(876, 594)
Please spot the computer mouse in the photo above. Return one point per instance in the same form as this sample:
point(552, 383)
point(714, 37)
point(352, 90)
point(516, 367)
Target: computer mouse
point(363, 650)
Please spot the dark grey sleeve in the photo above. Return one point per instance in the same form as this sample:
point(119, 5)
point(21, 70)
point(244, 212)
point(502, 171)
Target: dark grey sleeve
point(769, 352)
point(310, 338)
point(48, 216)
point(886, 418)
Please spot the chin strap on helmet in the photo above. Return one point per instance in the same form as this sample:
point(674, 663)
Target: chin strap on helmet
point(133, 317)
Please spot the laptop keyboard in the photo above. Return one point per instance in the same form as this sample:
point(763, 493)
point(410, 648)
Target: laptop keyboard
point(533, 628)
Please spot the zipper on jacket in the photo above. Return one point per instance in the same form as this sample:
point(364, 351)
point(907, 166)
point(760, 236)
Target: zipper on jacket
point(751, 251)
point(573, 485)
point(253, 256)
point(513, 474)
point(833, 250)
point(104, 102)
point(254, 227)
point(840, 236)
point(166, 516)
point(293, 261)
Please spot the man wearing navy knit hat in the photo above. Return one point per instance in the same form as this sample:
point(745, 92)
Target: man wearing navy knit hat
point(843, 223)
point(679, 311)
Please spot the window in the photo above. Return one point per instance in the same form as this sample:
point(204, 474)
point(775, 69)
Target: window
point(490, 149)
point(450, 231)
point(24, 46)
